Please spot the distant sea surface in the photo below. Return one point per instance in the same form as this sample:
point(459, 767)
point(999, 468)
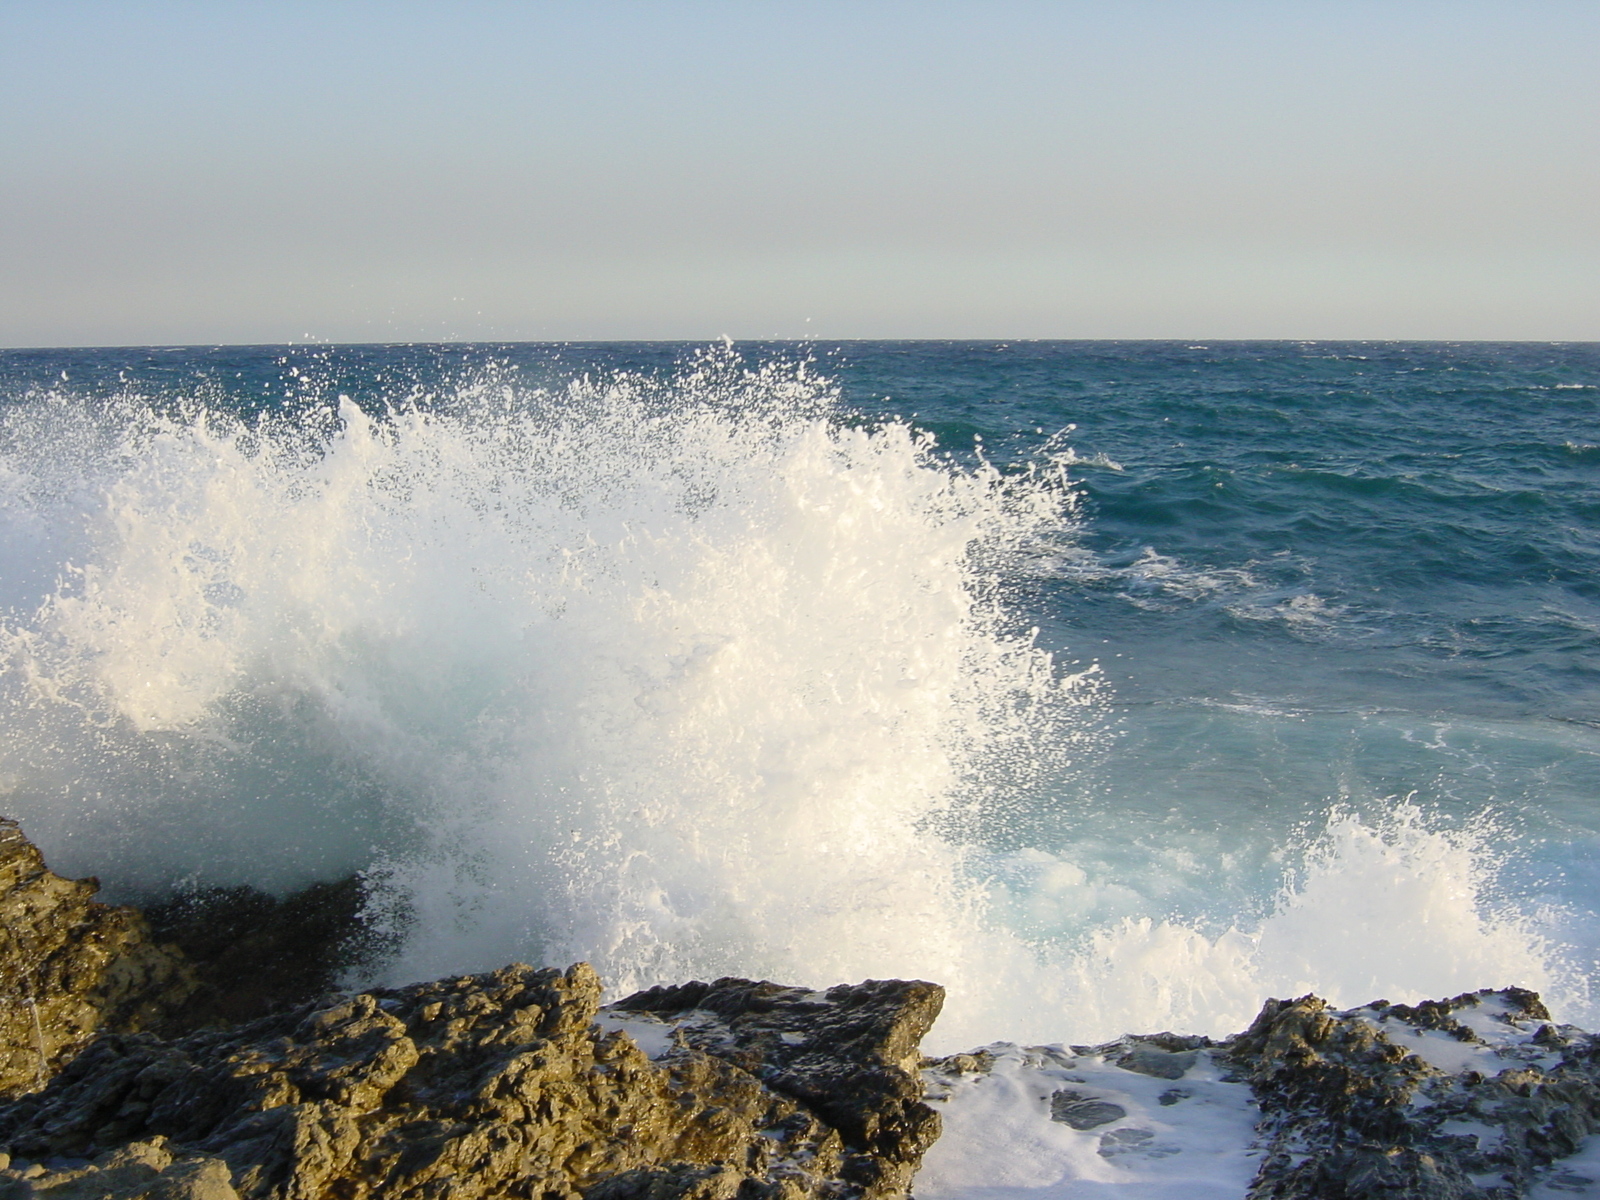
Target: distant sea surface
point(1117, 685)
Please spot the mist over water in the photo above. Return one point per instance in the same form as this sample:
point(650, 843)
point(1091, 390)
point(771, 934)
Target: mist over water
point(686, 673)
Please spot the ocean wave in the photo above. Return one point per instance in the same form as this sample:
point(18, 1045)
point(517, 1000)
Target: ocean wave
point(678, 676)
point(686, 674)
point(1397, 906)
point(1302, 612)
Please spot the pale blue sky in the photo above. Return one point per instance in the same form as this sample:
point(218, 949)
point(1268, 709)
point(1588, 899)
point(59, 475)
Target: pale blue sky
point(224, 172)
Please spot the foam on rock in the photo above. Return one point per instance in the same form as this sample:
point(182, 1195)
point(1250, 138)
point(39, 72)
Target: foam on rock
point(1477, 1097)
point(1470, 1098)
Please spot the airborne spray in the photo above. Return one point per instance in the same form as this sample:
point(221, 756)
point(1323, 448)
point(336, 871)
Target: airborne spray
point(685, 676)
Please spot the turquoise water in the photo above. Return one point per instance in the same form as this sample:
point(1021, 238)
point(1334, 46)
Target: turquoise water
point(752, 659)
point(1315, 572)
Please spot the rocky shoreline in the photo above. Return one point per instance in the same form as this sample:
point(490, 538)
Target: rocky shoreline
point(131, 1068)
point(202, 1052)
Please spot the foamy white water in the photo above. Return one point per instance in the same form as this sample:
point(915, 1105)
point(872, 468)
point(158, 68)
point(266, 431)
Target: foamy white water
point(1190, 1141)
point(686, 678)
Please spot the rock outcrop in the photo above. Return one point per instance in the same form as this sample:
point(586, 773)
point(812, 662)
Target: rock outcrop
point(71, 968)
point(505, 1085)
point(129, 1070)
point(849, 1054)
point(137, 1171)
point(1478, 1097)
point(1471, 1098)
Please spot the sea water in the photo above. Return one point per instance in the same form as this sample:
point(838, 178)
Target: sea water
point(1116, 686)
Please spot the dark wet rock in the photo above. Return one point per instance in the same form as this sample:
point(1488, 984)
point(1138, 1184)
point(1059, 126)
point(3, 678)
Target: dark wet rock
point(71, 967)
point(1156, 1055)
point(1082, 1110)
point(504, 1085)
point(1126, 1141)
point(1160, 1055)
point(1471, 1098)
point(974, 1062)
point(849, 1054)
point(255, 952)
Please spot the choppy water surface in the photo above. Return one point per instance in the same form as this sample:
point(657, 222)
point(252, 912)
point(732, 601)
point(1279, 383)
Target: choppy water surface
point(1114, 685)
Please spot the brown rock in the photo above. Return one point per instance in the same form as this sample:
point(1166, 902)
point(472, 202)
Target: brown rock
point(504, 1085)
point(850, 1054)
point(71, 967)
point(138, 1171)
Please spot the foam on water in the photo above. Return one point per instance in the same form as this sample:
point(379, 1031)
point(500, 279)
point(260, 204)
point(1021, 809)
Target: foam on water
point(686, 677)
point(1398, 911)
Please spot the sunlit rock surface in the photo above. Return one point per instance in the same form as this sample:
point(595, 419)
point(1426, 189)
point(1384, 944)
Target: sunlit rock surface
point(1472, 1097)
point(505, 1085)
point(518, 1083)
point(850, 1054)
point(71, 967)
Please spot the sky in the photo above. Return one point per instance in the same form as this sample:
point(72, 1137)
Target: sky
point(188, 173)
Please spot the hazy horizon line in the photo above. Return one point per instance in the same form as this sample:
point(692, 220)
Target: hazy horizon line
point(1195, 342)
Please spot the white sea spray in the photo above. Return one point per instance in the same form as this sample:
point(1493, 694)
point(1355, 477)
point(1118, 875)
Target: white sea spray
point(674, 677)
point(685, 676)
point(1399, 908)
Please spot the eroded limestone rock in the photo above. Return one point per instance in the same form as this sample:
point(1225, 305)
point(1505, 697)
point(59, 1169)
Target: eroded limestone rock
point(71, 967)
point(1470, 1098)
point(137, 1171)
point(504, 1085)
point(849, 1054)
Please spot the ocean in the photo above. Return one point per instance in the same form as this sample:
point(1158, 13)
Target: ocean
point(1117, 686)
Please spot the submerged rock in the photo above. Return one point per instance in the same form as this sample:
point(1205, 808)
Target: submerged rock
point(71, 967)
point(1051, 1120)
point(505, 1085)
point(1082, 1110)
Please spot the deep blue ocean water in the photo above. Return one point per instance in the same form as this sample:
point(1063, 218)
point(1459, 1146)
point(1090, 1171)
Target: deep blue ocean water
point(1341, 601)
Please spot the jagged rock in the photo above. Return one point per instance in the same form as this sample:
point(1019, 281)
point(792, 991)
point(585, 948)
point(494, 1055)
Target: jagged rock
point(504, 1085)
point(850, 1054)
point(71, 967)
point(1462, 1099)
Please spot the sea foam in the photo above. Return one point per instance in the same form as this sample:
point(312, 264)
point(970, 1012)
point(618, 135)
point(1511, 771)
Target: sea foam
point(686, 676)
